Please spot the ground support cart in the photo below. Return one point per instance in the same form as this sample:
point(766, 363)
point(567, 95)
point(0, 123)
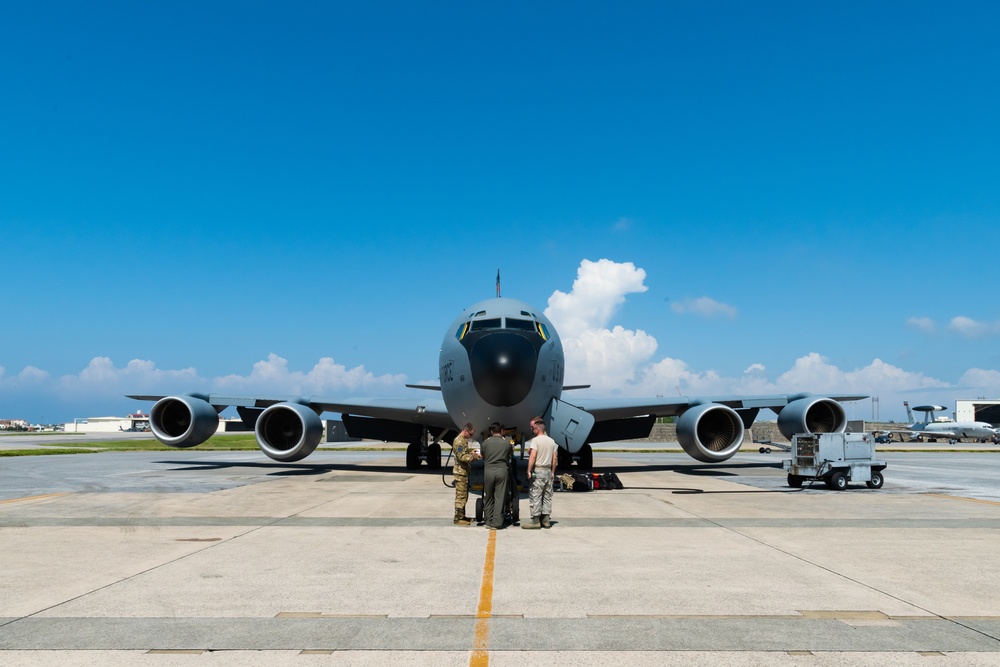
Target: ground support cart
point(835, 458)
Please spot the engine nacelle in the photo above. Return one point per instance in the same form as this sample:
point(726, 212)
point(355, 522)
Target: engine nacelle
point(288, 431)
point(813, 414)
point(710, 432)
point(183, 421)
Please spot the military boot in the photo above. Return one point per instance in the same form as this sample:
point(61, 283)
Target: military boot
point(460, 518)
point(545, 521)
point(531, 524)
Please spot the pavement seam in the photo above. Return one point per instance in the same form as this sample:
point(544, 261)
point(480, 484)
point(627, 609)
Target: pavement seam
point(733, 530)
point(163, 564)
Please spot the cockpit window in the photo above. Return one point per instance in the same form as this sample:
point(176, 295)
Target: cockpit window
point(480, 325)
point(542, 330)
point(462, 330)
point(521, 325)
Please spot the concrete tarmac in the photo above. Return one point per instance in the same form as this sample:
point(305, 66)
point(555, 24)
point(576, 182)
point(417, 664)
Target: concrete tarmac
point(219, 558)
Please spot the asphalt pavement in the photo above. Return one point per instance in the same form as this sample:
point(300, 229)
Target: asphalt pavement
point(189, 558)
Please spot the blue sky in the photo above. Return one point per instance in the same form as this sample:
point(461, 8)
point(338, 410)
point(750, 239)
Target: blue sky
point(300, 197)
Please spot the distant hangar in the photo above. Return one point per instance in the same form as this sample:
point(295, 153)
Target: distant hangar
point(980, 409)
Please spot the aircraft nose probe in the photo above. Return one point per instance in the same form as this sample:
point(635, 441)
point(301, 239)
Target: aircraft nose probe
point(503, 368)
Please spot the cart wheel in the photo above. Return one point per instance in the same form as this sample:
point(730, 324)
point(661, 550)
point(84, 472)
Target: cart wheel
point(876, 481)
point(479, 510)
point(838, 481)
point(794, 481)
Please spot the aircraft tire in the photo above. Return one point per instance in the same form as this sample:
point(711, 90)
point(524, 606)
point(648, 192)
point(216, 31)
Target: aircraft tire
point(587, 457)
point(479, 510)
point(434, 456)
point(413, 456)
point(565, 459)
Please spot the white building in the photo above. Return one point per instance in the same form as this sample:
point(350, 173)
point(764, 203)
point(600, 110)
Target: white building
point(136, 422)
point(978, 410)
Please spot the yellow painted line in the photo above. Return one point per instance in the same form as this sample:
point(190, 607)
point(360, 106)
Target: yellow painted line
point(969, 500)
point(481, 642)
point(47, 495)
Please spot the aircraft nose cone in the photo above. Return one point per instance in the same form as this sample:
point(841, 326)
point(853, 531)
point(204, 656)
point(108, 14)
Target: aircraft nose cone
point(503, 368)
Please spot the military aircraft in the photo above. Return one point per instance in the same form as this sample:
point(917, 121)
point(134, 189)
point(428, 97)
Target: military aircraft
point(933, 428)
point(501, 361)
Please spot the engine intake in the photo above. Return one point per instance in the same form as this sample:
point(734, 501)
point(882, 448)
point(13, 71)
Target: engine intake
point(813, 414)
point(288, 431)
point(710, 432)
point(183, 421)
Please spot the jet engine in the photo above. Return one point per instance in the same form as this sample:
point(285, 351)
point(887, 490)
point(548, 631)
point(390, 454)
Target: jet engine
point(288, 431)
point(183, 421)
point(710, 432)
point(812, 414)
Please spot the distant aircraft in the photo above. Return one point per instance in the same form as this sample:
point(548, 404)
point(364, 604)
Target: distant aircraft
point(501, 360)
point(932, 429)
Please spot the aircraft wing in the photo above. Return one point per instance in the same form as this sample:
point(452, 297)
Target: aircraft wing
point(424, 411)
point(621, 408)
point(709, 428)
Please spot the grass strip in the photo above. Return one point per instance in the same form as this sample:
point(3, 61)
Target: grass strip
point(40, 452)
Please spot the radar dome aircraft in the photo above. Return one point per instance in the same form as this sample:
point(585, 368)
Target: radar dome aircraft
point(932, 428)
point(501, 361)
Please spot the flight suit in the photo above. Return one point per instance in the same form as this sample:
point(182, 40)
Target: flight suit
point(497, 452)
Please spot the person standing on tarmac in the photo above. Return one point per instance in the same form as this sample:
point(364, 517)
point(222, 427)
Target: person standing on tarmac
point(497, 452)
point(541, 471)
point(465, 453)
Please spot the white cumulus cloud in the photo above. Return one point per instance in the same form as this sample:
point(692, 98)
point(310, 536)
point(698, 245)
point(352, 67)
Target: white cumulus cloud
point(101, 386)
point(924, 324)
point(595, 352)
point(704, 306)
point(273, 375)
point(619, 361)
point(986, 382)
point(970, 328)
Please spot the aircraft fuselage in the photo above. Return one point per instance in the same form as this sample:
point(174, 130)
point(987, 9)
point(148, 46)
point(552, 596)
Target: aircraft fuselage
point(501, 361)
point(975, 430)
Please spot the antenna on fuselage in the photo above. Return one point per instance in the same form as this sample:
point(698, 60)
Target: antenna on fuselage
point(498, 283)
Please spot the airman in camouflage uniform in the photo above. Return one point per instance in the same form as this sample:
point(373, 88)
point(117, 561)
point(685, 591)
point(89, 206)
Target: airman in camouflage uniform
point(463, 450)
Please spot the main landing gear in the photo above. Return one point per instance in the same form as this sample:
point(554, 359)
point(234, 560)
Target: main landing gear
point(421, 450)
point(584, 458)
